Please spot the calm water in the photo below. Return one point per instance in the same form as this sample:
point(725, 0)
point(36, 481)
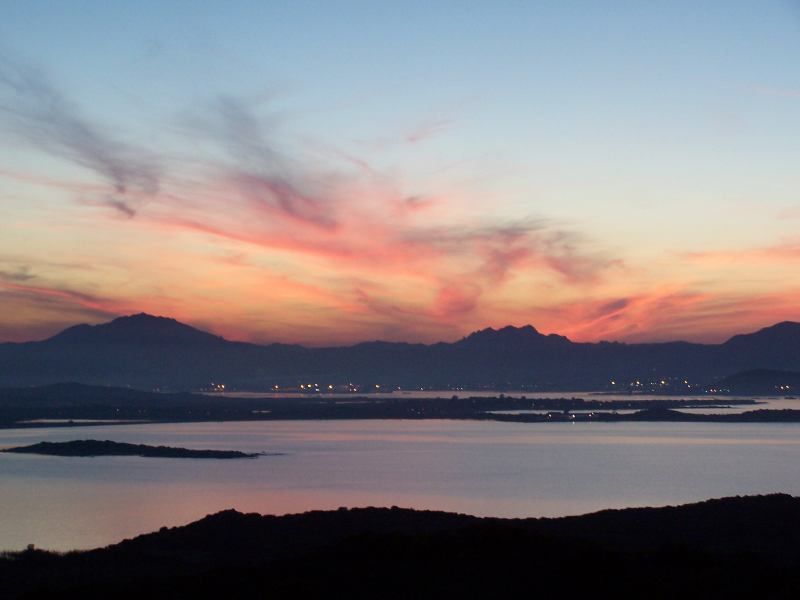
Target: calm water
point(484, 468)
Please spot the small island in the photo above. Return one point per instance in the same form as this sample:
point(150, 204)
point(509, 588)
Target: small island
point(109, 448)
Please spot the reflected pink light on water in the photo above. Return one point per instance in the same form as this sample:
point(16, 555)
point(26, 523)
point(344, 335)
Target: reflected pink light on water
point(475, 467)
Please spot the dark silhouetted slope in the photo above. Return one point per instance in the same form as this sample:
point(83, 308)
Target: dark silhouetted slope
point(147, 352)
point(763, 381)
point(776, 347)
point(141, 351)
point(136, 329)
point(731, 548)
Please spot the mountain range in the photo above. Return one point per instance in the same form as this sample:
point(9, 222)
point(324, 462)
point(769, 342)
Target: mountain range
point(147, 352)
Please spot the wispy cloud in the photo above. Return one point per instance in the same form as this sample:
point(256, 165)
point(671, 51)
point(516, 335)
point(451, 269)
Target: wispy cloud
point(267, 178)
point(427, 130)
point(34, 109)
point(43, 310)
point(668, 313)
point(421, 132)
point(22, 273)
point(776, 253)
point(60, 296)
point(358, 243)
point(271, 196)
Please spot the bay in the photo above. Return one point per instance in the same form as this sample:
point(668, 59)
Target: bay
point(476, 467)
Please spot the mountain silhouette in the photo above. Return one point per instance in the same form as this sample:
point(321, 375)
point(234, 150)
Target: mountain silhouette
point(145, 351)
point(511, 338)
point(774, 347)
point(785, 332)
point(763, 381)
point(136, 329)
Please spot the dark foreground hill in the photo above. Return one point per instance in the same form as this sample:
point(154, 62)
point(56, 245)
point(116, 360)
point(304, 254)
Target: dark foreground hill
point(731, 548)
point(149, 352)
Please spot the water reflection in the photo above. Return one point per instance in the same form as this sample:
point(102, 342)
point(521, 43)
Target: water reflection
point(484, 468)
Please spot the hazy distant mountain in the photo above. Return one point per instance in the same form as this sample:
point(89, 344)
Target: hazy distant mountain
point(137, 329)
point(141, 351)
point(763, 381)
point(513, 338)
point(773, 347)
point(146, 352)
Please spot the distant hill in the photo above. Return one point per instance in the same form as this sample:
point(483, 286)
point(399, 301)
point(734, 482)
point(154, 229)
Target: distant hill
point(147, 352)
point(743, 547)
point(763, 381)
point(136, 329)
point(141, 351)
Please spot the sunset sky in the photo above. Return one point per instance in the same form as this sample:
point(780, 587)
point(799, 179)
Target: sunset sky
point(333, 172)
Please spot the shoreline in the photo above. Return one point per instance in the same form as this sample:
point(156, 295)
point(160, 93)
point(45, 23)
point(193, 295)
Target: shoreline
point(72, 405)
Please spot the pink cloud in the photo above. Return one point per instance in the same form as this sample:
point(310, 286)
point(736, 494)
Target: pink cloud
point(669, 314)
point(784, 252)
point(358, 242)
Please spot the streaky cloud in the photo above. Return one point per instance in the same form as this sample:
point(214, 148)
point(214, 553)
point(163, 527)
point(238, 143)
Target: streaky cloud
point(42, 116)
point(788, 251)
point(351, 230)
point(60, 294)
point(21, 274)
point(427, 130)
point(267, 177)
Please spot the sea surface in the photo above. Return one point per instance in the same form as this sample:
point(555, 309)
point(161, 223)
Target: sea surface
point(476, 467)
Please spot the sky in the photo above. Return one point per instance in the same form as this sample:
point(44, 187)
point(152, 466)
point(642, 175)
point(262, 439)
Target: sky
point(333, 172)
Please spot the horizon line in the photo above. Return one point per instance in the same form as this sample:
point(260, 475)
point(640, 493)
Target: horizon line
point(373, 341)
